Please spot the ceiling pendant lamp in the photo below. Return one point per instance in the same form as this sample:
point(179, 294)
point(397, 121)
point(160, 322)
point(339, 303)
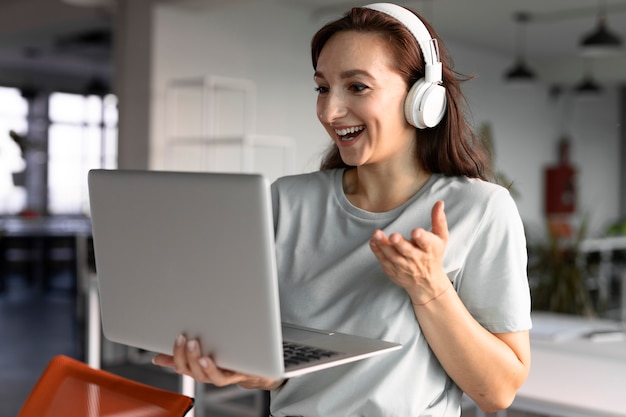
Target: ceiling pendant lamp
point(520, 73)
point(588, 87)
point(601, 41)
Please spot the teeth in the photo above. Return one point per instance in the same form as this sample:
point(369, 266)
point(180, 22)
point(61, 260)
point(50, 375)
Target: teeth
point(344, 132)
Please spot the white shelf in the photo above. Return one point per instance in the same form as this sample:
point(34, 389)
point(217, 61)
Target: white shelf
point(194, 139)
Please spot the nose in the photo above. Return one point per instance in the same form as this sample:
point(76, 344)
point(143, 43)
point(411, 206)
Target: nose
point(331, 107)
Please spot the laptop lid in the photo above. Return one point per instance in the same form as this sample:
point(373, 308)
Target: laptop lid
point(188, 252)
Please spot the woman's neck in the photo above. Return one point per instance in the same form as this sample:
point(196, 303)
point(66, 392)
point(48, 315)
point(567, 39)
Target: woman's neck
point(379, 190)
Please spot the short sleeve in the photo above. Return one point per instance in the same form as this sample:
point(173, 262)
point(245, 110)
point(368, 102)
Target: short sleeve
point(494, 282)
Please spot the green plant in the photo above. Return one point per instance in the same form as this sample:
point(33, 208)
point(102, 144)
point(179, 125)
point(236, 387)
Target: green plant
point(617, 229)
point(558, 275)
point(486, 137)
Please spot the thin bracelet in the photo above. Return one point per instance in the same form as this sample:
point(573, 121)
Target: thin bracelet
point(434, 298)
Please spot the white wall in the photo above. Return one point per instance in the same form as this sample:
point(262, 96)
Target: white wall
point(270, 46)
point(527, 124)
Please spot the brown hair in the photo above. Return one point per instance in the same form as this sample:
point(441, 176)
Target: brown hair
point(450, 148)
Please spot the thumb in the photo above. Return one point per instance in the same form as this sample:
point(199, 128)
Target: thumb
point(439, 221)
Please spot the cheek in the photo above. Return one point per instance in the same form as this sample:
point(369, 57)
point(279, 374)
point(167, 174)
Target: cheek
point(395, 111)
point(319, 109)
point(391, 105)
point(390, 113)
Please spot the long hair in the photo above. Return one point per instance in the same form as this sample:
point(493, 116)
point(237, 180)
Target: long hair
point(451, 148)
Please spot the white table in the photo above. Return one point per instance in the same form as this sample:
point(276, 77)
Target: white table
point(572, 375)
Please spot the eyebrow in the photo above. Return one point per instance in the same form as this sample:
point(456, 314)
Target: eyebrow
point(346, 74)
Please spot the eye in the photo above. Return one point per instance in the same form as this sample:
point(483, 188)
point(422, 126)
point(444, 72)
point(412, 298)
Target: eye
point(358, 87)
point(321, 89)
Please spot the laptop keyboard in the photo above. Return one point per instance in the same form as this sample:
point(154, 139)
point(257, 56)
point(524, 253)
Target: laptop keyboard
point(296, 354)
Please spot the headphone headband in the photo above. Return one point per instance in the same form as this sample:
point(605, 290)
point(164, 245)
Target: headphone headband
point(425, 103)
point(426, 42)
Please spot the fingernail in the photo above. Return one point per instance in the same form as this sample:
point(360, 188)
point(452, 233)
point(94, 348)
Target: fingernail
point(192, 345)
point(180, 339)
point(203, 362)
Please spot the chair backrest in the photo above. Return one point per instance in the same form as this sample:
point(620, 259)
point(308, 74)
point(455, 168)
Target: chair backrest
point(71, 388)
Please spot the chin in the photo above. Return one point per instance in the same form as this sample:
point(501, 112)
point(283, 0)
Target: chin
point(350, 161)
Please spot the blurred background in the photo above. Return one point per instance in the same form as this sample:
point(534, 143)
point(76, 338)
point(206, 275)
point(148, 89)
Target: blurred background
point(227, 85)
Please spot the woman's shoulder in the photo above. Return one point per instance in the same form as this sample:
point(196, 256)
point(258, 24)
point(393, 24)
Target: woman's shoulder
point(474, 188)
point(473, 194)
point(310, 180)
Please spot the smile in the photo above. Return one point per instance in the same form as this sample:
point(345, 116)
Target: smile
point(349, 132)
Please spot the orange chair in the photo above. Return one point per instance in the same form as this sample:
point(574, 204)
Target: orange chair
point(70, 388)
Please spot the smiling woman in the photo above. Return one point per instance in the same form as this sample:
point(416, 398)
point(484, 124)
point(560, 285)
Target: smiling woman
point(388, 261)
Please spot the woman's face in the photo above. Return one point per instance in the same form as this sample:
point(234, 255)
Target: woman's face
point(361, 100)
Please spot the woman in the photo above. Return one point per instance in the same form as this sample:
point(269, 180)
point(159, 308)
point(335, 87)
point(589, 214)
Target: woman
point(364, 245)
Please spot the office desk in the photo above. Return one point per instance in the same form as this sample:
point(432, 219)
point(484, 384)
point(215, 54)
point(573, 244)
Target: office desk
point(45, 226)
point(572, 375)
point(40, 230)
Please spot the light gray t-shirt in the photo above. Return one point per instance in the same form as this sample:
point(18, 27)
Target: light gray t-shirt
point(330, 279)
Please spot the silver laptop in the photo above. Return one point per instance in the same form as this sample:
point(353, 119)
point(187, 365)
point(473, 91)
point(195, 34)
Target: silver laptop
point(193, 253)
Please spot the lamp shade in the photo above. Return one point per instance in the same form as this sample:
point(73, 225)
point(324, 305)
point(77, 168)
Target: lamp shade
point(588, 87)
point(601, 41)
point(520, 72)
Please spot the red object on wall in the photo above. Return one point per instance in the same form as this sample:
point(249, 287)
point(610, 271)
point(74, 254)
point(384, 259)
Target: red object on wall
point(560, 190)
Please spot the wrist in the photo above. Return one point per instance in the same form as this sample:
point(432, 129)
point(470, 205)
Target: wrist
point(422, 300)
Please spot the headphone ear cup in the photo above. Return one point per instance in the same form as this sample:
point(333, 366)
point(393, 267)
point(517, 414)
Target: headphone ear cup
point(425, 104)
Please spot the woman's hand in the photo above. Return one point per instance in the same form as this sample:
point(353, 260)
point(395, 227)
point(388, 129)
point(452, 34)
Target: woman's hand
point(188, 360)
point(416, 264)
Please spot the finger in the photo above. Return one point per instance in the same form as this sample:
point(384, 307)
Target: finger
point(385, 247)
point(217, 376)
point(439, 221)
point(180, 355)
point(402, 247)
point(203, 368)
point(193, 358)
point(163, 360)
point(390, 245)
point(423, 240)
point(377, 242)
point(378, 239)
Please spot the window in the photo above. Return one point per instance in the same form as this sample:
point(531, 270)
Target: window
point(82, 136)
point(13, 117)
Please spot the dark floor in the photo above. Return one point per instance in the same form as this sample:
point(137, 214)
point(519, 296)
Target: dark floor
point(34, 327)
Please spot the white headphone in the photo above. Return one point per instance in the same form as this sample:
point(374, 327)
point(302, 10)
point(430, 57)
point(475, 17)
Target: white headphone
point(425, 103)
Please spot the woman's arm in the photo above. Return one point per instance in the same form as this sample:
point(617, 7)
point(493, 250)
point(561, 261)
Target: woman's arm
point(488, 367)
